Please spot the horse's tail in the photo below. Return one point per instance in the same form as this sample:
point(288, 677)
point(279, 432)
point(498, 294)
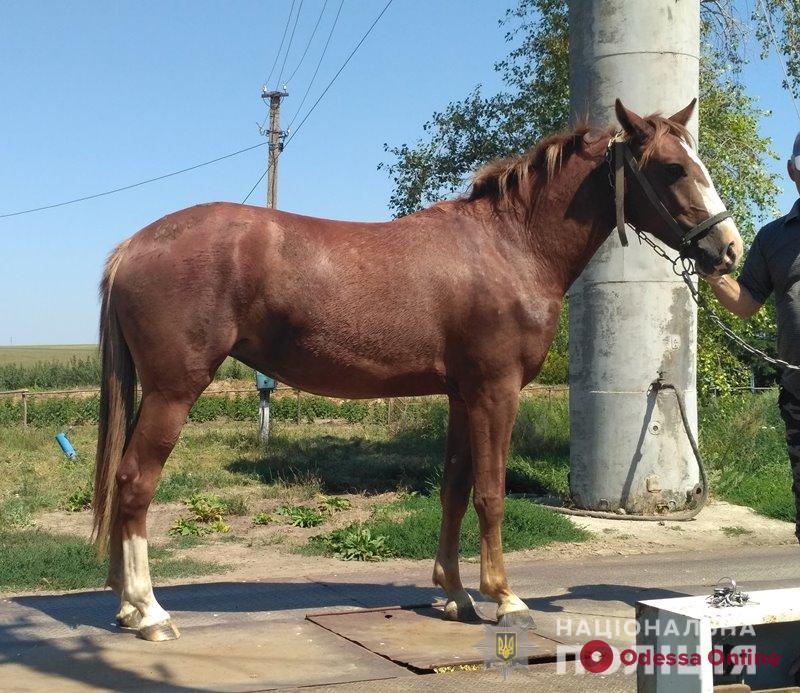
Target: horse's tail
point(117, 406)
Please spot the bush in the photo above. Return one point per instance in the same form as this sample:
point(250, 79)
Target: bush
point(262, 519)
point(354, 543)
point(206, 507)
point(333, 504)
point(51, 375)
point(55, 412)
point(301, 516)
point(188, 527)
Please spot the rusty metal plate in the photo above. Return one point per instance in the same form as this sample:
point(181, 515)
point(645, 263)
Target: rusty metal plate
point(419, 638)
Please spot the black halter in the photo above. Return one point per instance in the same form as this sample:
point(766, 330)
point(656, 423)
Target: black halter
point(622, 158)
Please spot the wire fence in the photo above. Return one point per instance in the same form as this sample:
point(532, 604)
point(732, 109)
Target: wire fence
point(396, 408)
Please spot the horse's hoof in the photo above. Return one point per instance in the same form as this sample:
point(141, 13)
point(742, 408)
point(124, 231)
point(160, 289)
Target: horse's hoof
point(130, 620)
point(519, 618)
point(464, 611)
point(160, 632)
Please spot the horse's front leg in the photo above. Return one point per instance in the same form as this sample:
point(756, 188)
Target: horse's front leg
point(492, 409)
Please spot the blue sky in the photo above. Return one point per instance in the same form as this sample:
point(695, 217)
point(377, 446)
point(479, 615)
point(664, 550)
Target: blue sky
point(99, 95)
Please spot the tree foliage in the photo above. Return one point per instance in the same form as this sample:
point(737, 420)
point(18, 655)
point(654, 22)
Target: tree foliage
point(534, 102)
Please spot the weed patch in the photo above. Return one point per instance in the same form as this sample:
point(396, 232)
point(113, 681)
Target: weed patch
point(411, 529)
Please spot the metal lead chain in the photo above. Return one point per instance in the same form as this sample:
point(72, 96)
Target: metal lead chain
point(727, 593)
point(684, 268)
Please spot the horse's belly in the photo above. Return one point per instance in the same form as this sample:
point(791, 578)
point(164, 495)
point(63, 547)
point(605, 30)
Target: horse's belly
point(351, 368)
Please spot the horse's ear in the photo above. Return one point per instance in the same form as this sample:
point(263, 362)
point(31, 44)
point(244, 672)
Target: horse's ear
point(682, 116)
point(634, 125)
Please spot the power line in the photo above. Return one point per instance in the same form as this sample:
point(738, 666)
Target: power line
point(132, 185)
point(289, 45)
point(338, 72)
point(778, 53)
point(280, 47)
point(310, 39)
point(319, 63)
point(329, 85)
point(253, 189)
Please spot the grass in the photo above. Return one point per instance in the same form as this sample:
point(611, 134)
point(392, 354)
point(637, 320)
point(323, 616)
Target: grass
point(743, 442)
point(34, 559)
point(410, 529)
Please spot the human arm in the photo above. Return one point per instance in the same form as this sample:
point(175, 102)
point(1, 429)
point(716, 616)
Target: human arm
point(733, 296)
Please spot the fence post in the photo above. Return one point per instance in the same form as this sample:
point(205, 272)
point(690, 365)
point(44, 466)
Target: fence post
point(25, 409)
point(298, 407)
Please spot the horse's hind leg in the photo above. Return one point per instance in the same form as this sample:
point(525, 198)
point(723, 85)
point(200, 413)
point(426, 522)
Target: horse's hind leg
point(158, 426)
point(128, 616)
point(456, 485)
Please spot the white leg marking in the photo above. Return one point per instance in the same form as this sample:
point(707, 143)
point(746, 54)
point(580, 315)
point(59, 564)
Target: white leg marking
point(138, 588)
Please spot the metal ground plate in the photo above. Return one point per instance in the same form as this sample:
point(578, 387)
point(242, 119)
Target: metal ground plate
point(235, 657)
point(419, 638)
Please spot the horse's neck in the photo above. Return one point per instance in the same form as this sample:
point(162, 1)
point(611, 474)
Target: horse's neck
point(573, 217)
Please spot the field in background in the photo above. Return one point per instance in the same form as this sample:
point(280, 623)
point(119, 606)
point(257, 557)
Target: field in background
point(56, 353)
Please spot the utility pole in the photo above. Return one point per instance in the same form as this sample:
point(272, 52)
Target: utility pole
point(264, 383)
point(276, 136)
point(631, 319)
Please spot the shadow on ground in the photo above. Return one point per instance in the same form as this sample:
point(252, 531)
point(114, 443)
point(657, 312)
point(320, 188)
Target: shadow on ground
point(349, 465)
point(409, 460)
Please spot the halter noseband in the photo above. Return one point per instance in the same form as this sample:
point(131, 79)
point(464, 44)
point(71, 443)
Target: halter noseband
point(622, 158)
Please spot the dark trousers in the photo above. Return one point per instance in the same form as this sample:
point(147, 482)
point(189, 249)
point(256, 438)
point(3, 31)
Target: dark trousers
point(790, 413)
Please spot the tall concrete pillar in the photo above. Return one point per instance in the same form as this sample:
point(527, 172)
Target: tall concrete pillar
point(631, 318)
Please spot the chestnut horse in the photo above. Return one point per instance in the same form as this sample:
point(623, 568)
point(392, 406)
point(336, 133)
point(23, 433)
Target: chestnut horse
point(460, 299)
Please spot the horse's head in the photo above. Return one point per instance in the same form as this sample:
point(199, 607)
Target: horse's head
point(682, 183)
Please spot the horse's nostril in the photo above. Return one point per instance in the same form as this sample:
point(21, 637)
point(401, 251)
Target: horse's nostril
point(730, 254)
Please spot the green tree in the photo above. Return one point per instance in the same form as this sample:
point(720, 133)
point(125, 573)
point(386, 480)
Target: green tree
point(534, 103)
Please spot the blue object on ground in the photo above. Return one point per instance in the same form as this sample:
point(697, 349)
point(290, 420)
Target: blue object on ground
point(66, 446)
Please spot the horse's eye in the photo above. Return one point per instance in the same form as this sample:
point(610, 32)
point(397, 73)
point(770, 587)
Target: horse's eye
point(674, 172)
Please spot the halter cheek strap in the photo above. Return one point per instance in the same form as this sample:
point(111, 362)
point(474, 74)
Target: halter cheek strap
point(623, 158)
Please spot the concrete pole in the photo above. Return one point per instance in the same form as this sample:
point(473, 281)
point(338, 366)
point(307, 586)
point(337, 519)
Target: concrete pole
point(631, 318)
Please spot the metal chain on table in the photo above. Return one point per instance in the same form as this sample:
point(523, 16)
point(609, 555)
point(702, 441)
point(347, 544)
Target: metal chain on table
point(727, 593)
point(684, 268)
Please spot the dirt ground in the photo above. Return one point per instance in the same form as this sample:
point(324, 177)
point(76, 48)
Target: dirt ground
point(268, 552)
